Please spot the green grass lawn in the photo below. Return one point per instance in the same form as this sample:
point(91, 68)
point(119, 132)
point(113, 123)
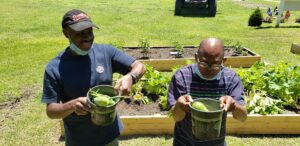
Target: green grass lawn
point(30, 35)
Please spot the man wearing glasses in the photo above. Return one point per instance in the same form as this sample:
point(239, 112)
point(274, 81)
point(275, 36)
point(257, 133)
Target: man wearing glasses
point(207, 78)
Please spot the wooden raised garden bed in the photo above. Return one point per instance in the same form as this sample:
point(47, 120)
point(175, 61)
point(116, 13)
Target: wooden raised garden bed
point(161, 59)
point(255, 124)
point(295, 48)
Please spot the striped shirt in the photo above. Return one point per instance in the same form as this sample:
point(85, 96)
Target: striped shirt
point(186, 81)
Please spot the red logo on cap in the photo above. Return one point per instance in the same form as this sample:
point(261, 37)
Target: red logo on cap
point(79, 16)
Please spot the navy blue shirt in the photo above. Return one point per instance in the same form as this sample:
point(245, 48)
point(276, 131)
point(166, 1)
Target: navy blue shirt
point(187, 82)
point(69, 76)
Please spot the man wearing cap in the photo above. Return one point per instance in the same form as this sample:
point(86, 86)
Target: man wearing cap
point(207, 78)
point(82, 65)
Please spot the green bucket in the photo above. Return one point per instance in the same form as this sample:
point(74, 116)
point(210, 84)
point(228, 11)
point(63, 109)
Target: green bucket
point(206, 125)
point(103, 115)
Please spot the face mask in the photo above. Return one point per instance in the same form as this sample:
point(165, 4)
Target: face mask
point(77, 50)
point(217, 76)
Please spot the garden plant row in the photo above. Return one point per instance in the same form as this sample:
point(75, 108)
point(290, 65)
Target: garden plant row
point(162, 58)
point(269, 89)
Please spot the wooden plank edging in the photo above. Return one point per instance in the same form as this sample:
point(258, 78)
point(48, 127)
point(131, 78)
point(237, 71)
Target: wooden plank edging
point(255, 124)
point(231, 61)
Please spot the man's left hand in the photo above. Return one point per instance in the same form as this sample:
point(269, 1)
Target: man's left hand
point(123, 85)
point(228, 103)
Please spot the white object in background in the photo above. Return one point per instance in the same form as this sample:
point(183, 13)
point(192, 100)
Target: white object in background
point(292, 5)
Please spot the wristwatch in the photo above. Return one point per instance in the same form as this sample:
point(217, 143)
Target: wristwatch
point(134, 77)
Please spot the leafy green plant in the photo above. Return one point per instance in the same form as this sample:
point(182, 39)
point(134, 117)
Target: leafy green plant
point(138, 95)
point(255, 18)
point(153, 82)
point(179, 49)
point(239, 49)
point(260, 103)
point(280, 81)
point(270, 87)
point(156, 82)
point(145, 48)
point(163, 100)
point(283, 81)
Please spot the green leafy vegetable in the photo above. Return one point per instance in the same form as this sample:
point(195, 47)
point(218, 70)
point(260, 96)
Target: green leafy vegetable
point(278, 82)
point(259, 103)
point(102, 100)
point(199, 106)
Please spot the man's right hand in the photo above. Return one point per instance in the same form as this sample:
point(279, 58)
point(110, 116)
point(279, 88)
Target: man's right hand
point(183, 102)
point(62, 110)
point(80, 106)
point(181, 107)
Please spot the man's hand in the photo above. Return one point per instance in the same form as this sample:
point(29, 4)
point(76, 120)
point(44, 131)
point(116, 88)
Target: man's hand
point(80, 106)
point(62, 110)
point(183, 102)
point(238, 111)
point(181, 107)
point(228, 103)
point(123, 85)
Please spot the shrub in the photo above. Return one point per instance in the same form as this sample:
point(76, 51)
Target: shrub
point(255, 18)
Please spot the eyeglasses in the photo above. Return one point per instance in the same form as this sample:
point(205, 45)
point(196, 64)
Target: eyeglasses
point(212, 66)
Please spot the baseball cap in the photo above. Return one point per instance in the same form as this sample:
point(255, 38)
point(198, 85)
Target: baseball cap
point(77, 20)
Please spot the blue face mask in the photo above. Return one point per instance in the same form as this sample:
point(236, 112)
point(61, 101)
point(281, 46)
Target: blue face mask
point(217, 76)
point(77, 50)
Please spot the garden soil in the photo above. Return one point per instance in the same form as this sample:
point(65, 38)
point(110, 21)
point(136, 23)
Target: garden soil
point(131, 108)
point(164, 52)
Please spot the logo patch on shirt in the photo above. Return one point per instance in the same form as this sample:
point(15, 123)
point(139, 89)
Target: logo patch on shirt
point(100, 69)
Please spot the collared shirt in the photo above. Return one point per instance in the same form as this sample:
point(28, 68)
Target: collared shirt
point(69, 76)
point(186, 81)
